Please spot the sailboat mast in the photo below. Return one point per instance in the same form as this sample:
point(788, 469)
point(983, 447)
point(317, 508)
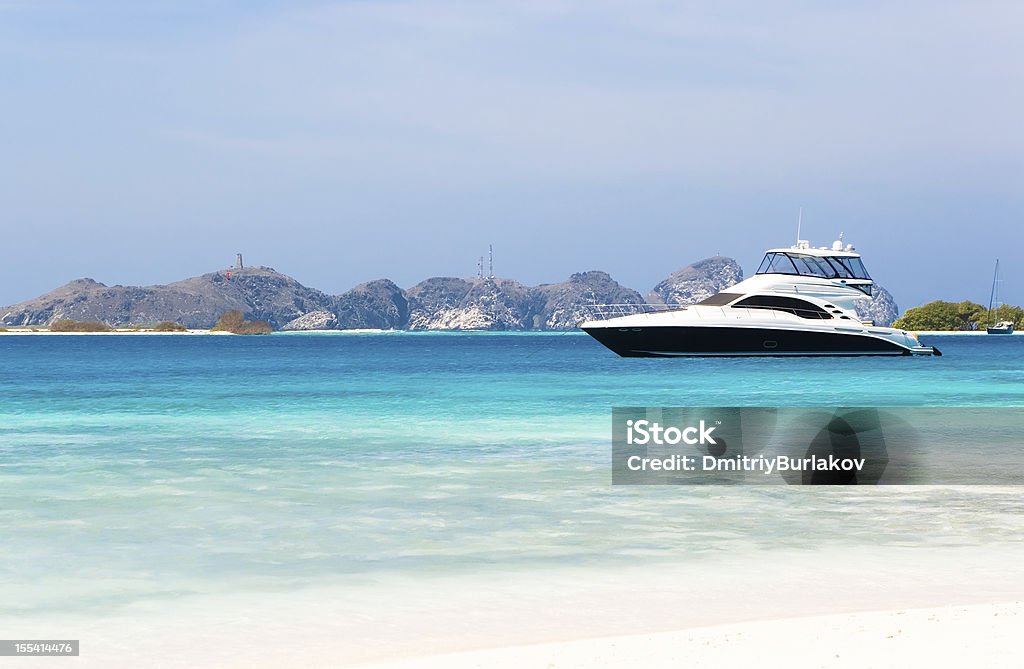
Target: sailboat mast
point(992, 295)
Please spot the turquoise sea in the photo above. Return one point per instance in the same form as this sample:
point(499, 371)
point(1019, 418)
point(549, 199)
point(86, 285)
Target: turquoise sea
point(144, 468)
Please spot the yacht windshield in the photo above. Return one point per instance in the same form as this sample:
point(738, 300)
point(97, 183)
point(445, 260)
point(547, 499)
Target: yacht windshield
point(802, 264)
point(854, 265)
point(777, 263)
point(812, 266)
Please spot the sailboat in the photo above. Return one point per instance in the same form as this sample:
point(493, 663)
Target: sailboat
point(1000, 327)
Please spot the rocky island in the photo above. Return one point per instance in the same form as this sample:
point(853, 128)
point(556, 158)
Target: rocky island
point(438, 303)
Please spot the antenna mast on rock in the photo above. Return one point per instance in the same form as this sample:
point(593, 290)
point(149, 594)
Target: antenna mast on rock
point(490, 260)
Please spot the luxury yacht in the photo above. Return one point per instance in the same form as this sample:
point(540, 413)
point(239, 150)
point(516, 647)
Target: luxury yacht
point(800, 302)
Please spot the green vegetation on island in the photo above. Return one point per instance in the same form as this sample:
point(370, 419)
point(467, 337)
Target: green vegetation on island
point(69, 325)
point(169, 326)
point(956, 316)
point(234, 322)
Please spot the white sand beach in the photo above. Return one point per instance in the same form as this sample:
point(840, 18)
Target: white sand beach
point(891, 607)
point(958, 333)
point(986, 635)
point(29, 331)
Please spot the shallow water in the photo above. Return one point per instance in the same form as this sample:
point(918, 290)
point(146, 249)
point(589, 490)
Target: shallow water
point(134, 469)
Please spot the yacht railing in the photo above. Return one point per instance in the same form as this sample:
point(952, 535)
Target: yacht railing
point(603, 312)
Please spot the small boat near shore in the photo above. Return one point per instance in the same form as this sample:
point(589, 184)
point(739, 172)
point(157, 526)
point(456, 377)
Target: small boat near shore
point(998, 326)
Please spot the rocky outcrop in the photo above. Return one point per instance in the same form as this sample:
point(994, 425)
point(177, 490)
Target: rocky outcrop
point(881, 308)
point(70, 301)
point(502, 304)
point(448, 303)
point(441, 303)
point(264, 294)
point(567, 304)
point(697, 282)
point(378, 305)
point(88, 300)
point(258, 292)
point(314, 320)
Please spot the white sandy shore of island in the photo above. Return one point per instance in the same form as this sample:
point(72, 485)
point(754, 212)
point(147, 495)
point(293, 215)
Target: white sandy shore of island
point(15, 330)
point(958, 333)
point(984, 635)
point(26, 331)
point(31, 331)
point(357, 331)
point(833, 607)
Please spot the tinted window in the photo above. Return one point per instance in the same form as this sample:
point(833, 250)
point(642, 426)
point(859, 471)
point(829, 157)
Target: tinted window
point(841, 270)
point(858, 268)
point(777, 263)
point(823, 268)
point(720, 299)
point(853, 267)
point(801, 266)
point(807, 265)
point(791, 305)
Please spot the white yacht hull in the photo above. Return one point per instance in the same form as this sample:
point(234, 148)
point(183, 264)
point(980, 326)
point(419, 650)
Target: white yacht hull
point(630, 337)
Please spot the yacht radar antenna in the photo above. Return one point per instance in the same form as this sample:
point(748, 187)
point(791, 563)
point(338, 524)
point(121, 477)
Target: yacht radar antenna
point(800, 243)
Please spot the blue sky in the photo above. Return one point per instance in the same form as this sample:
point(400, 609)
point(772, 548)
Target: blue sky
point(143, 142)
